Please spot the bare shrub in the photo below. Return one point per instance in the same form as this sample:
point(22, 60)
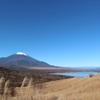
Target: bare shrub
point(2, 83)
point(6, 87)
point(11, 92)
point(91, 75)
point(24, 82)
point(30, 82)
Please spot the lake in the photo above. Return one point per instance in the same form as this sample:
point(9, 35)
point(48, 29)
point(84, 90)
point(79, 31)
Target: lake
point(77, 74)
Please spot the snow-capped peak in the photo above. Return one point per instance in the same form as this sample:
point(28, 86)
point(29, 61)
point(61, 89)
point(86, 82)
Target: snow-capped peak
point(21, 53)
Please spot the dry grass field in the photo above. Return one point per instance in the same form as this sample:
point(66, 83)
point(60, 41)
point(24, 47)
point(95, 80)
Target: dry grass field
point(87, 88)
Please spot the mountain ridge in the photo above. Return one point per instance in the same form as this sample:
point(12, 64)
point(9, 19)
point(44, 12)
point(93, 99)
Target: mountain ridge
point(22, 60)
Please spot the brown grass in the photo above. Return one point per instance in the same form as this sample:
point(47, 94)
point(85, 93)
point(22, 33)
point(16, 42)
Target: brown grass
point(87, 88)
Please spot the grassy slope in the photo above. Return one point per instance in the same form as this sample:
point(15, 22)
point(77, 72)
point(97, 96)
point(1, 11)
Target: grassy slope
point(87, 88)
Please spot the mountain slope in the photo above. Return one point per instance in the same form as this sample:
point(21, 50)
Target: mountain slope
point(87, 88)
point(21, 60)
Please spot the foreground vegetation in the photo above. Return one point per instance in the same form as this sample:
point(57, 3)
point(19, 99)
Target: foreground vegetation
point(27, 91)
point(12, 87)
point(87, 88)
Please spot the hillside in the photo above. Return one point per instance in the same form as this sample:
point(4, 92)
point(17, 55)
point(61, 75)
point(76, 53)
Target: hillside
point(87, 88)
point(16, 76)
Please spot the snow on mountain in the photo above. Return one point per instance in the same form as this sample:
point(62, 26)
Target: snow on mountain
point(21, 53)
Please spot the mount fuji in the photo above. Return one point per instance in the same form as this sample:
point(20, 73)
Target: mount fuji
point(21, 59)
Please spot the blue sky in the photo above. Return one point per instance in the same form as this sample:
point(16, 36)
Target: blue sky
point(60, 32)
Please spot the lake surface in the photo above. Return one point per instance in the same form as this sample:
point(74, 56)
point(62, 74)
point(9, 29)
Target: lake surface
point(77, 74)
